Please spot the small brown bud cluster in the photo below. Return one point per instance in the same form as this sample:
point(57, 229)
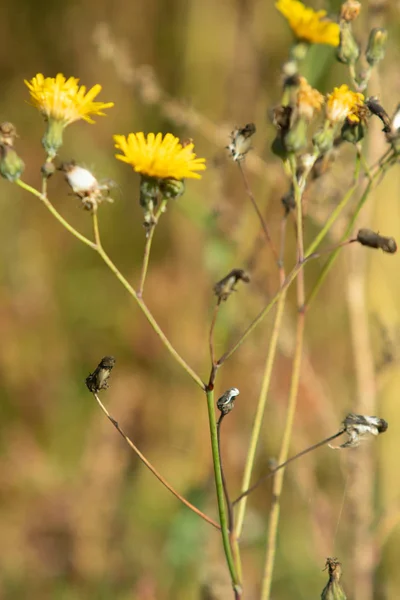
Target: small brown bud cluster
point(367, 237)
point(226, 285)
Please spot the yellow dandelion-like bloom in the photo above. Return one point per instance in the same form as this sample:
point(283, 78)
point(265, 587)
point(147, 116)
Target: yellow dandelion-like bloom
point(309, 100)
point(64, 100)
point(309, 25)
point(158, 156)
point(343, 103)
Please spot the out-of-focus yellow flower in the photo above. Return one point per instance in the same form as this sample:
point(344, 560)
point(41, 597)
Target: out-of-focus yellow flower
point(159, 157)
point(343, 103)
point(309, 25)
point(64, 100)
point(309, 100)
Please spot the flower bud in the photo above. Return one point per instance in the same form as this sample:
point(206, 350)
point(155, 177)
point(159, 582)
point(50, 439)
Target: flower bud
point(171, 188)
point(11, 165)
point(348, 50)
point(352, 132)
point(323, 139)
point(376, 48)
point(53, 137)
point(333, 589)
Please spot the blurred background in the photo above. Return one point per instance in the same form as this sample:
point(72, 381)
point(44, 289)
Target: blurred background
point(80, 516)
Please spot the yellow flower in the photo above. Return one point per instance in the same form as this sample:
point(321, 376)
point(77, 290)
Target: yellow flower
point(155, 156)
point(309, 25)
point(309, 100)
point(64, 100)
point(343, 103)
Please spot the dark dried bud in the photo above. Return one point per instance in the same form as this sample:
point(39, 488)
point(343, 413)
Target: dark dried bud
point(48, 169)
point(226, 286)
point(241, 141)
point(288, 201)
point(333, 589)
point(379, 111)
point(227, 401)
point(98, 380)
point(369, 238)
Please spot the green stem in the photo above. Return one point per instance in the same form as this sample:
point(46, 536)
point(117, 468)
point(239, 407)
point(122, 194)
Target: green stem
point(255, 434)
point(223, 516)
point(56, 214)
point(147, 248)
point(293, 394)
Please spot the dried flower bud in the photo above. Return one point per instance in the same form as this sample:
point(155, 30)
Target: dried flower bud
point(376, 48)
point(350, 10)
point(348, 50)
point(333, 589)
point(288, 201)
point(98, 380)
point(241, 141)
point(367, 237)
point(48, 169)
point(376, 109)
point(352, 132)
point(360, 427)
point(226, 286)
point(8, 133)
point(227, 401)
point(11, 165)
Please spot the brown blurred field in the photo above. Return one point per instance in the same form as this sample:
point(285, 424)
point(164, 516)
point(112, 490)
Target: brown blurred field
point(80, 517)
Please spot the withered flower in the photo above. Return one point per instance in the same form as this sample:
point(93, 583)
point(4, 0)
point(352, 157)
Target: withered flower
point(241, 141)
point(226, 285)
point(360, 427)
point(333, 589)
point(99, 379)
point(227, 401)
point(367, 237)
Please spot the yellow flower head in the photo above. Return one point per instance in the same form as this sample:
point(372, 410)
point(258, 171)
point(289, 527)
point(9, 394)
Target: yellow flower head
point(309, 25)
point(158, 156)
point(63, 100)
point(309, 100)
point(342, 104)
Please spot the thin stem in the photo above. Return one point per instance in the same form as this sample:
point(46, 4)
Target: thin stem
point(56, 214)
point(275, 469)
point(259, 214)
point(150, 317)
point(292, 403)
point(223, 516)
point(211, 334)
point(147, 248)
point(255, 433)
point(224, 484)
point(153, 469)
point(346, 234)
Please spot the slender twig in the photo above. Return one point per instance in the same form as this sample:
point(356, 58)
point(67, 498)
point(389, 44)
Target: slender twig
point(153, 469)
point(275, 469)
point(56, 214)
point(147, 248)
point(293, 393)
point(225, 486)
point(264, 226)
point(211, 334)
point(222, 509)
